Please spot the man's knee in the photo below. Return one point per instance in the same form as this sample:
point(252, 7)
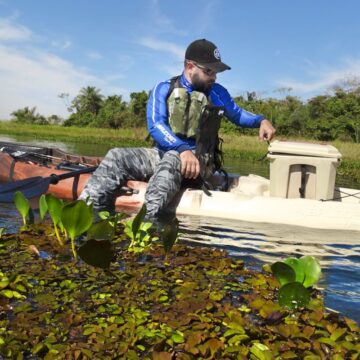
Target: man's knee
point(173, 158)
point(115, 154)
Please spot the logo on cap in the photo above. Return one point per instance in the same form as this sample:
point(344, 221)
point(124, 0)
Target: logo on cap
point(217, 54)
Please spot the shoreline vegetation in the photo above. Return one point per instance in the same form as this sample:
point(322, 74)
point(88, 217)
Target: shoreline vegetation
point(235, 145)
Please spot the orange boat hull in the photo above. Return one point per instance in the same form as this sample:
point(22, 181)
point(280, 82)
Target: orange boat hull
point(11, 170)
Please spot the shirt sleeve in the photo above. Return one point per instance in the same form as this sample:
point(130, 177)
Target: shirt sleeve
point(234, 112)
point(157, 120)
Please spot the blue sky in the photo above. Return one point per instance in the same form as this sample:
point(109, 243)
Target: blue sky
point(53, 47)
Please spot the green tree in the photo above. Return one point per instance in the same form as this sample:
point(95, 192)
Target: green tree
point(89, 100)
point(29, 116)
point(113, 113)
point(137, 106)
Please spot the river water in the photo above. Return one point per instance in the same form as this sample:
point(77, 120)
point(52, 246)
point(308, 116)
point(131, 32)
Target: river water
point(256, 243)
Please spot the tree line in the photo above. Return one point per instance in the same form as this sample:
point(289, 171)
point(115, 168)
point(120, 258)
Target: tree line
point(335, 115)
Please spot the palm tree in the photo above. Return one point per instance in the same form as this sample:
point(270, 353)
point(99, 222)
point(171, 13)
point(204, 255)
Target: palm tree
point(89, 100)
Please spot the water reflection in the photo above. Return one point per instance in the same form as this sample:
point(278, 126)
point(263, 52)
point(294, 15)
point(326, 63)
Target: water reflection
point(337, 251)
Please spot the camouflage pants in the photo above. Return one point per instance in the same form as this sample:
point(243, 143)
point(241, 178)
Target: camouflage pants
point(162, 170)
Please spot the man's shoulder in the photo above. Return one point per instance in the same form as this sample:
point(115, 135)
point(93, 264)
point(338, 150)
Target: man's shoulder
point(219, 91)
point(162, 87)
point(218, 88)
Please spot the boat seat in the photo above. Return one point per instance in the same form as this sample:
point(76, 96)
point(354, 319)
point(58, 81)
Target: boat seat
point(251, 185)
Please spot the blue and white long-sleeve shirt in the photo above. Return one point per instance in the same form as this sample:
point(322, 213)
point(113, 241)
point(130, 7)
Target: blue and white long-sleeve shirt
point(157, 114)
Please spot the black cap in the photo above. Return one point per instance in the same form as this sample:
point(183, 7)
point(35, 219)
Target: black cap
point(206, 53)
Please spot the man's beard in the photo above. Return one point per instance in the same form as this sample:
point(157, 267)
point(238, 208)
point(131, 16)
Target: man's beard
point(201, 85)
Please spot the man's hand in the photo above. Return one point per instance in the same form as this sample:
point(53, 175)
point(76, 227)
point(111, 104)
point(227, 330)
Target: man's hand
point(190, 167)
point(266, 131)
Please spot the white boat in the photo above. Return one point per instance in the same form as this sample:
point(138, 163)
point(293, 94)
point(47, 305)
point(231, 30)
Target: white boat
point(301, 191)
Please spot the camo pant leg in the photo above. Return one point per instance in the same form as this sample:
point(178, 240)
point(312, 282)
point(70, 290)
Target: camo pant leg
point(118, 166)
point(164, 184)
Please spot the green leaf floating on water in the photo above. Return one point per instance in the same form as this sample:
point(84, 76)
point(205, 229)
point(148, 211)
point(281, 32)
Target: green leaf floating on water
point(22, 204)
point(138, 219)
point(76, 218)
point(261, 351)
point(297, 266)
point(102, 230)
point(284, 273)
point(43, 207)
point(312, 270)
point(294, 295)
point(54, 206)
point(169, 235)
point(97, 253)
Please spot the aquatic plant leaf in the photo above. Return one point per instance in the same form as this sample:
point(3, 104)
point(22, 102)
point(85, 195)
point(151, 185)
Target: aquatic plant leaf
point(1, 232)
point(43, 206)
point(22, 204)
point(102, 230)
point(161, 355)
point(312, 270)
point(284, 273)
point(169, 235)
point(7, 293)
point(104, 215)
point(55, 206)
point(337, 334)
point(97, 253)
point(294, 295)
point(297, 267)
point(261, 351)
point(77, 218)
point(4, 283)
point(138, 219)
point(177, 338)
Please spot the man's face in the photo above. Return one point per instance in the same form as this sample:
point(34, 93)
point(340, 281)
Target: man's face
point(201, 78)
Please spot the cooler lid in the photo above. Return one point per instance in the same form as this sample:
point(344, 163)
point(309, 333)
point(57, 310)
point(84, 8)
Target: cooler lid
point(304, 149)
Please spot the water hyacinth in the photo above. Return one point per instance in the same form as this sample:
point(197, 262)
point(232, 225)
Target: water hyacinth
point(77, 218)
point(116, 304)
point(295, 276)
point(202, 305)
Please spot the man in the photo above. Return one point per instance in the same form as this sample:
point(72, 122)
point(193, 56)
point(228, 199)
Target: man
point(174, 112)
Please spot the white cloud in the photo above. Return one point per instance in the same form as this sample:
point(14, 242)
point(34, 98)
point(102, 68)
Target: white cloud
point(37, 80)
point(164, 46)
point(13, 32)
point(161, 22)
point(62, 45)
point(94, 55)
point(324, 78)
point(31, 76)
point(208, 16)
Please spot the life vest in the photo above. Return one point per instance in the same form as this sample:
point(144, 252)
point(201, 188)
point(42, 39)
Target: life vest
point(185, 110)
point(193, 116)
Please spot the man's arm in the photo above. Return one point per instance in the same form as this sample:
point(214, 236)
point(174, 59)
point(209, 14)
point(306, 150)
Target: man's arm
point(241, 117)
point(266, 131)
point(157, 120)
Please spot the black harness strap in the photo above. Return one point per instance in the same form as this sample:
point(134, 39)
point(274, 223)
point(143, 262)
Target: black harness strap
point(208, 143)
point(75, 186)
point(303, 181)
point(12, 168)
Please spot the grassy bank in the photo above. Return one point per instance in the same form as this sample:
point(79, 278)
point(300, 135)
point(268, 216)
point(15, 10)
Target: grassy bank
point(239, 146)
